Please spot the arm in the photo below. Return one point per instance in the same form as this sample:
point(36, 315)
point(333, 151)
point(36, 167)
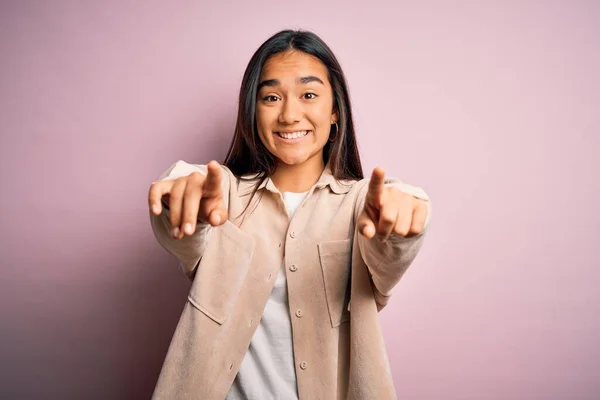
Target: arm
point(388, 260)
point(189, 248)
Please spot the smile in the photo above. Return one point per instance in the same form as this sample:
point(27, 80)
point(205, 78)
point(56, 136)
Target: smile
point(292, 135)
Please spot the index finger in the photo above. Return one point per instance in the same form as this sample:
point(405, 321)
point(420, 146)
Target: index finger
point(376, 186)
point(212, 185)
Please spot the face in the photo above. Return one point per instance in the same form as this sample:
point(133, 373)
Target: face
point(294, 108)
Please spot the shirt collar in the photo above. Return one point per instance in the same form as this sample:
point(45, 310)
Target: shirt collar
point(247, 183)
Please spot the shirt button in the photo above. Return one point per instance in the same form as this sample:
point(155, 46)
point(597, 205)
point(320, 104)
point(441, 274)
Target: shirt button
point(293, 234)
point(293, 268)
point(303, 365)
point(299, 313)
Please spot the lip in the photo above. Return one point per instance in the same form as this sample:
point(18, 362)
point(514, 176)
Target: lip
point(295, 140)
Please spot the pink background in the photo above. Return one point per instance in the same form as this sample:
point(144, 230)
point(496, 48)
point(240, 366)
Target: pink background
point(491, 106)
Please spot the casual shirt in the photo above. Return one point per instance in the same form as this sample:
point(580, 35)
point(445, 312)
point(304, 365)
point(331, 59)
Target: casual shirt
point(337, 281)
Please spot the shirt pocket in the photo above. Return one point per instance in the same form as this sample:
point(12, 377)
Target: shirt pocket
point(335, 257)
point(221, 272)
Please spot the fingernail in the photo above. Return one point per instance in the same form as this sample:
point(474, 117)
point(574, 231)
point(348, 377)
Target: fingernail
point(176, 232)
point(155, 209)
point(218, 219)
point(188, 228)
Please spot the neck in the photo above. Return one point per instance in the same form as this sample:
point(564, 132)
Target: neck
point(298, 178)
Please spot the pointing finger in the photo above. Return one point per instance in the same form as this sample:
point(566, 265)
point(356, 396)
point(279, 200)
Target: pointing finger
point(376, 186)
point(212, 185)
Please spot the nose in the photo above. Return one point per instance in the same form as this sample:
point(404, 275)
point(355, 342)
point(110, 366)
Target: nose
point(291, 111)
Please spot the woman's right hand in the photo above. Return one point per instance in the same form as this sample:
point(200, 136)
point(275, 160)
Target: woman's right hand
point(190, 199)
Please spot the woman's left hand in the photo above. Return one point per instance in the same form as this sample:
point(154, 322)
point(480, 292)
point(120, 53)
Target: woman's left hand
point(388, 210)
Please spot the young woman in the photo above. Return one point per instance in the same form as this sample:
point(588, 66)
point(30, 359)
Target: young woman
point(291, 252)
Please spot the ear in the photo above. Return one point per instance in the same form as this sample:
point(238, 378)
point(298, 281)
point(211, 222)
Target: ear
point(335, 116)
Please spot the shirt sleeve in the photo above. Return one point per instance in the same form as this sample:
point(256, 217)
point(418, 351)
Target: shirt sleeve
point(189, 249)
point(387, 261)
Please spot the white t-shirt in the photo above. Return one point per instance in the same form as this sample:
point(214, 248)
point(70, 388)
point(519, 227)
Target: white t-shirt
point(267, 371)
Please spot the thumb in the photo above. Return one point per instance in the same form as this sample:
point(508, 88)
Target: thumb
point(366, 226)
point(218, 215)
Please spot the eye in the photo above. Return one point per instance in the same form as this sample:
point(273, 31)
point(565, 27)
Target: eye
point(270, 98)
point(310, 96)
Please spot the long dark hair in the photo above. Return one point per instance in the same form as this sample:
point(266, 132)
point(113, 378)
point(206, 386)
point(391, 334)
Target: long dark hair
point(247, 154)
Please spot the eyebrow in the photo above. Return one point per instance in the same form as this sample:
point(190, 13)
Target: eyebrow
point(303, 81)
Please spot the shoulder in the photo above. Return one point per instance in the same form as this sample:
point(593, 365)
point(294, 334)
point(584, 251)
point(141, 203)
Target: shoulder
point(182, 168)
point(360, 187)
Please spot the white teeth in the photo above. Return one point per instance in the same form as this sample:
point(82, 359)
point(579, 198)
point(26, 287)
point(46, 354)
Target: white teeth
point(293, 135)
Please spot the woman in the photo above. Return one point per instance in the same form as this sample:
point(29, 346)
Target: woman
point(291, 252)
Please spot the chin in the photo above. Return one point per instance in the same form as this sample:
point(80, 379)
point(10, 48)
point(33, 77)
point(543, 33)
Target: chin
point(292, 160)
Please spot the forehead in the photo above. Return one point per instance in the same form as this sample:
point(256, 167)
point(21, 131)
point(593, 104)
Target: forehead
point(293, 64)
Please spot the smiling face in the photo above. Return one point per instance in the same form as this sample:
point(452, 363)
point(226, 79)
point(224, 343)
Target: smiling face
point(294, 108)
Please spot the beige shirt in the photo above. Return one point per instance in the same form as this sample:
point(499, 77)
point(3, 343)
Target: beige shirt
point(268, 370)
point(337, 281)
